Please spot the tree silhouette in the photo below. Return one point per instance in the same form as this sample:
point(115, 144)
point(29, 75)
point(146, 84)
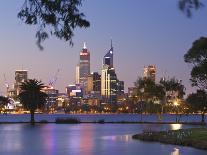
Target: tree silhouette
point(53, 17)
point(31, 96)
point(197, 56)
point(198, 102)
point(188, 5)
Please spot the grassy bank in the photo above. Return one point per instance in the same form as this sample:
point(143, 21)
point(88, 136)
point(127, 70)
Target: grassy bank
point(195, 137)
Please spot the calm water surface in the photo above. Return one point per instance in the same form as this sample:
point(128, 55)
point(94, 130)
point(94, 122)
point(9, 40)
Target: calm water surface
point(85, 139)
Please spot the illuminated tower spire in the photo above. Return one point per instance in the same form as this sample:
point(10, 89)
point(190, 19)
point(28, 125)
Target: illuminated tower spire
point(84, 45)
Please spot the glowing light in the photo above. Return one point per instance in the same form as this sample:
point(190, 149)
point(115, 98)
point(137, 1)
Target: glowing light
point(175, 126)
point(83, 53)
point(175, 103)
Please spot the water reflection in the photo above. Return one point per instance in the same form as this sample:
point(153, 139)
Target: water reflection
point(84, 139)
point(124, 138)
point(176, 126)
point(175, 152)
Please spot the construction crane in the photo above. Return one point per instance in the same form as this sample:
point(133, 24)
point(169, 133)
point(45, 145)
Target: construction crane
point(54, 79)
point(6, 84)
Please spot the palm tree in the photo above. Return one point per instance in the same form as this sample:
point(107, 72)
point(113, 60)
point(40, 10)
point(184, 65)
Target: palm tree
point(32, 96)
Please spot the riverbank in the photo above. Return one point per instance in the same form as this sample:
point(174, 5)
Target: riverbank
point(195, 137)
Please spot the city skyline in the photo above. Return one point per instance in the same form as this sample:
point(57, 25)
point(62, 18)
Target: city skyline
point(135, 47)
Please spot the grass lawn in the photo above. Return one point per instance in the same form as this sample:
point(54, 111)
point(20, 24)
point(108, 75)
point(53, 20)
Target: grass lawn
point(195, 137)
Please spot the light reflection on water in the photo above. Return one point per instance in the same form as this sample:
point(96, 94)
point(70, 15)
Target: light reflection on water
point(176, 126)
point(175, 152)
point(83, 139)
point(124, 138)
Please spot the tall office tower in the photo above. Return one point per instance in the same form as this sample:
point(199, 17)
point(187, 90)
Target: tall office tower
point(84, 66)
point(77, 75)
point(94, 84)
point(20, 76)
point(120, 87)
point(108, 58)
point(150, 72)
point(108, 84)
point(108, 78)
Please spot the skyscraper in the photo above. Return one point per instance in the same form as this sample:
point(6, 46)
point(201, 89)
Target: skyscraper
point(108, 58)
point(150, 72)
point(20, 76)
point(108, 78)
point(84, 66)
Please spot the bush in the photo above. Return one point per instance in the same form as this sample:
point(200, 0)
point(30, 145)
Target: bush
point(67, 120)
point(43, 121)
point(101, 121)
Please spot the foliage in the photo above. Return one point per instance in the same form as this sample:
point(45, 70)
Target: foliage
point(188, 5)
point(3, 102)
point(198, 102)
point(197, 55)
point(31, 96)
point(53, 17)
point(148, 90)
point(173, 85)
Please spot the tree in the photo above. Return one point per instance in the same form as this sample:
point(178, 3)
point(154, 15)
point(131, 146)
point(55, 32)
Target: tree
point(198, 102)
point(3, 102)
point(197, 55)
point(53, 17)
point(148, 90)
point(173, 85)
point(31, 96)
point(188, 5)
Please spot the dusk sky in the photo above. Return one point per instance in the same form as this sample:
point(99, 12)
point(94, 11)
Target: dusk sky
point(144, 32)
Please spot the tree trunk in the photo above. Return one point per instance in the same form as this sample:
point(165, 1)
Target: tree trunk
point(32, 121)
point(203, 117)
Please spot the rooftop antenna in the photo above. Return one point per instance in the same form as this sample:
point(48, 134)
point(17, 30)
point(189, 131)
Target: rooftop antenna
point(84, 45)
point(111, 45)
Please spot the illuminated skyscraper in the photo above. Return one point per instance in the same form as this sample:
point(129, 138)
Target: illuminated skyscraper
point(84, 67)
point(20, 76)
point(108, 78)
point(150, 72)
point(108, 58)
point(77, 75)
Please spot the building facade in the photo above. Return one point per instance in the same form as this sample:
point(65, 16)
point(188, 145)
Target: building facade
point(150, 72)
point(20, 76)
point(84, 66)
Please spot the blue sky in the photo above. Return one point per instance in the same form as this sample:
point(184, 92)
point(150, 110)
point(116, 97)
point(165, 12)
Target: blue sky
point(143, 32)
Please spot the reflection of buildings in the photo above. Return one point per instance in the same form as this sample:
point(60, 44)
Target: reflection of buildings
point(150, 72)
point(110, 85)
point(83, 68)
point(20, 76)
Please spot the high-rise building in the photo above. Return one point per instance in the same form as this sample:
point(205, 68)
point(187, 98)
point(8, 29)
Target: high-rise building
point(77, 75)
point(108, 84)
point(150, 72)
point(96, 82)
point(20, 76)
point(108, 58)
point(108, 79)
point(51, 101)
point(120, 87)
point(84, 66)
